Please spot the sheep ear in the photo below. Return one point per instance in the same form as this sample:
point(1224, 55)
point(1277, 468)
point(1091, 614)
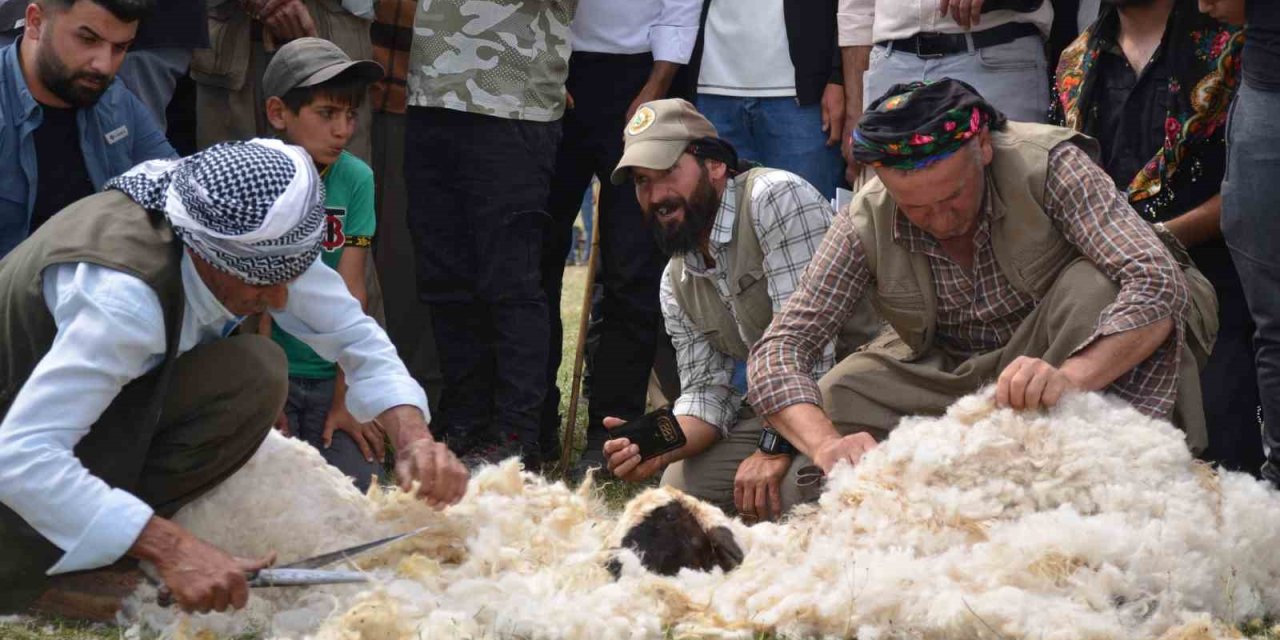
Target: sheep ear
point(728, 553)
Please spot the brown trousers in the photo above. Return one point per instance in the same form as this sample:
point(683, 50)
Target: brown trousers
point(220, 404)
point(873, 389)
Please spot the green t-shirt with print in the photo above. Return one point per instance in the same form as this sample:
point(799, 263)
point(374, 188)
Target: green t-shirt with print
point(349, 222)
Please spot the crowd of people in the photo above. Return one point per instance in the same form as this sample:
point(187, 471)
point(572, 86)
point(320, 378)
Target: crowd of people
point(1048, 196)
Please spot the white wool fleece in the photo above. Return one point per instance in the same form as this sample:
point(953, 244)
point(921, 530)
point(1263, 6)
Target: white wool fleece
point(1086, 521)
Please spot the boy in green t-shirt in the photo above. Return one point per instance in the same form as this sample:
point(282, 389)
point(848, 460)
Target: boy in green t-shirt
point(313, 91)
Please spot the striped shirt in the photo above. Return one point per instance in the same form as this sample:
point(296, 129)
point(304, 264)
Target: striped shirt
point(790, 218)
point(979, 311)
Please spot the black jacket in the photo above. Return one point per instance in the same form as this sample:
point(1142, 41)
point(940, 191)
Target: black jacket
point(811, 37)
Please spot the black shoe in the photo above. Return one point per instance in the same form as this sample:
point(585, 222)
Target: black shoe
point(592, 457)
point(493, 452)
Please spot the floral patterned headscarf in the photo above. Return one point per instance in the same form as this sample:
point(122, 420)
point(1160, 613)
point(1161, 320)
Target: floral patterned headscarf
point(915, 125)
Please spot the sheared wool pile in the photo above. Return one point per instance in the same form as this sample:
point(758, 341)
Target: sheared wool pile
point(1087, 521)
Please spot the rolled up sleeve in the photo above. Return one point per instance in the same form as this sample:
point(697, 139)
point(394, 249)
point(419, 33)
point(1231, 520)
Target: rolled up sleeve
point(676, 31)
point(1085, 206)
point(854, 19)
point(321, 313)
point(778, 372)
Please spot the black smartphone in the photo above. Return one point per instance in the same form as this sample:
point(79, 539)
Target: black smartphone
point(655, 433)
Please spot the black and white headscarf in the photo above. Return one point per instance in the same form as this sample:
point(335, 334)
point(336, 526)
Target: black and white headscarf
point(252, 209)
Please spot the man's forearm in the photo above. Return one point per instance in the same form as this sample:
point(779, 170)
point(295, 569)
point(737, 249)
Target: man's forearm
point(856, 61)
point(404, 424)
point(1199, 225)
point(699, 436)
point(805, 426)
point(661, 77)
point(1110, 357)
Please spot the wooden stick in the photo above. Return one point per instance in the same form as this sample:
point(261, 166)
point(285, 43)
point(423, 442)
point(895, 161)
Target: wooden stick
point(571, 428)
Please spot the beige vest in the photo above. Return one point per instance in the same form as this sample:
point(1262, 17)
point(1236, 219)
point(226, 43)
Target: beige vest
point(107, 229)
point(1028, 249)
point(734, 327)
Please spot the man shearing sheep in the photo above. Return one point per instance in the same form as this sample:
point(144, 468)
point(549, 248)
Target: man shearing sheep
point(123, 396)
point(999, 252)
point(739, 239)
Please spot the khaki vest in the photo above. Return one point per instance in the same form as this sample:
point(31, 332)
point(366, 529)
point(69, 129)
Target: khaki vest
point(107, 229)
point(1028, 249)
point(750, 309)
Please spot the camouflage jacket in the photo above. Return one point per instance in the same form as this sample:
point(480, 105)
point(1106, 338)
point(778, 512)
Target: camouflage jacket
point(504, 58)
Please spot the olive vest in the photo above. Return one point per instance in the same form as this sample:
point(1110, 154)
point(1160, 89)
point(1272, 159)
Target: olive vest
point(1028, 249)
point(107, 229)
point(733, 327)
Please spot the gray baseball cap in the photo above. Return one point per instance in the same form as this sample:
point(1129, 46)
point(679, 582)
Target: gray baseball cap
point(306, 62)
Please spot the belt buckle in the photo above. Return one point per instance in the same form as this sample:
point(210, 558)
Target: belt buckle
point(923, 37)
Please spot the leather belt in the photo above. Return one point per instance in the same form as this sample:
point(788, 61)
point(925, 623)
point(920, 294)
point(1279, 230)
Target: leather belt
point(936, 45)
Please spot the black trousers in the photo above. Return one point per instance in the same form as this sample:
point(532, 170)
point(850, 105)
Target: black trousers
point(478, 190)
point(1229, 381)
point(603, 86)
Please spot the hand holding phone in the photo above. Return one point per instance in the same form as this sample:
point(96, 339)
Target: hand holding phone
point(655, 433)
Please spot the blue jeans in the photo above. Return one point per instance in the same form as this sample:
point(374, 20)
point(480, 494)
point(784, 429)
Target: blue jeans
point(307, 408)
point(1251, 227)
point(779, 134)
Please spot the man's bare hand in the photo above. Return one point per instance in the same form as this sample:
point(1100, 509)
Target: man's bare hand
point(371, 439)
point(849, 449)
point(288, 20)
point(199, 577)
point(967, 13)
point(757, 487)
point(1031, 383)
point(623, 458)
point(442, 478)
point(833, 121)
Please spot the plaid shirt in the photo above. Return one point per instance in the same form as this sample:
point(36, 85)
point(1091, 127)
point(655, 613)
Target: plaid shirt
point(392, 37)
point(980, 311)
point(790, 219)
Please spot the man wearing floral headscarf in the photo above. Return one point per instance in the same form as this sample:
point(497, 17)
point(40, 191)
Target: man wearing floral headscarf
point(997, 251)
point(122, 397)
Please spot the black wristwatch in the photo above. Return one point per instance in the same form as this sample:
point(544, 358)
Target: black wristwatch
point(772, 443)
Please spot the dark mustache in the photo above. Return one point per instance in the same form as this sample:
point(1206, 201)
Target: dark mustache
point(669, 204)
point(102, 79)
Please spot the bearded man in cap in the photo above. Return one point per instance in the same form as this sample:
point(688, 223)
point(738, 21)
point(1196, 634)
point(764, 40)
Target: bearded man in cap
point(739, 239)
point(122, 396)
point(998, 251)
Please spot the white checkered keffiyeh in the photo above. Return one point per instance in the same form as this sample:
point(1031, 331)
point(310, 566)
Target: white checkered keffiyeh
point(252, 209)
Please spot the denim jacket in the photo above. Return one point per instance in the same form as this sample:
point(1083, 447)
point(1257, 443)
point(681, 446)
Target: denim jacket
point(115, 134)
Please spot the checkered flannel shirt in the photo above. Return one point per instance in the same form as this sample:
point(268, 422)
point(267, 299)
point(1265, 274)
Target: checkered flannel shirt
point(790, 219)
point(980, 311)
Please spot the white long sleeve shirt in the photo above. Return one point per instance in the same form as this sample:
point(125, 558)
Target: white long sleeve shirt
point(111, 331)
point(668, 28)
point(866, 22)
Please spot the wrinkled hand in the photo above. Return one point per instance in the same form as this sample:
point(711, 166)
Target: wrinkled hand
point(623, 458)
point(442, 479)
point(967, 13)
point(282, 425)
point(287, 19)
point(1031, 383)
point(849, 449)
point(833, 120)
point(371, 439)
point(757, 487)
point(201, 578)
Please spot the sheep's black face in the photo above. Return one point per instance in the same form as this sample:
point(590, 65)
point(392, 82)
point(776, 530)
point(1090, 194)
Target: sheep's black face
point(670, 539)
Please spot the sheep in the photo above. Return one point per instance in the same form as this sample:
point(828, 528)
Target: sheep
point(1088, 520)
